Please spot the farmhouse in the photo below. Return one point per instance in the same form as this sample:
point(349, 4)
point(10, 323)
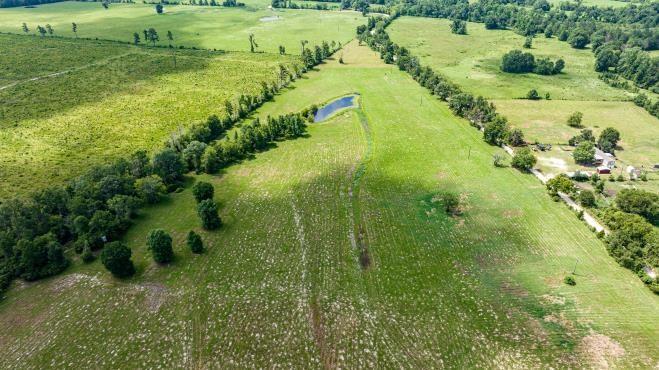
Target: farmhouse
point(604, 159)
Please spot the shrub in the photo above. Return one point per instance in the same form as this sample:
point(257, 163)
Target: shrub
point(587, 198)
point(202, 191)
point(450, 202)
point(533, 95)
point(116, 258)
point(515, 137)
point(524, 159)
point(495, 131)
point(195, 243)
point(575, 120)
point(160, 245)
point(569, 280)
point(87, 255)
point(208, 213)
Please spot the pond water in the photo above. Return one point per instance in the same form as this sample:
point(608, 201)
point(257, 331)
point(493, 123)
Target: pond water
point(329, 109)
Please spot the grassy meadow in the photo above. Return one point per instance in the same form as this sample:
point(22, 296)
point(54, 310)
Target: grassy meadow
point(192, 26)
point(110, 100)
point(281, 283)
point(473, 61)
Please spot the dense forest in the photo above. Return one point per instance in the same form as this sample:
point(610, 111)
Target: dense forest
point(15, 3)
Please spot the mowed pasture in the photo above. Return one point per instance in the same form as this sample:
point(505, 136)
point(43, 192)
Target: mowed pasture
point(193, 26)
point(473, 61)
point(281, 283)
point(106, 101)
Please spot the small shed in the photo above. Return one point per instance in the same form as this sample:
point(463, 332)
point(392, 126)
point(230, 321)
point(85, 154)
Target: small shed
point(603, 170)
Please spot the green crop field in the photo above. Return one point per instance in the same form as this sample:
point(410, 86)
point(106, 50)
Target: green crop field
point(106, 100)
point(192, 26)
point(281, 284)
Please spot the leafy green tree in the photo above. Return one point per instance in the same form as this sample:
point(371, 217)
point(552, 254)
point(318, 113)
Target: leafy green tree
point(560, 183)
point(124, 206)
point(116, 258)
point(208, 213)
point(50, 29)
point(558, 66)
point(160, 245)
point(40, 257)
point(515, 137)
point(459, 27)
point(139, 164)
point(523, 159)
point(528, 42)
point(252, 43)
point(578, 39)
point(152, 36)
point(159, 8)
point(42, 31)
point(606, 57)
point(203, 190)
point(495, 131)
point(282, 50)
point(170, 38)
point(584, 153)
point(136, 38)
point(575, 120)
point(25, 28)
point(608, 139)
point(169, 166)
point(87, 255)
point(517, 62)
point(74, 28)
point(640, 202)
point(303, 43)
point(193, 153)
point(533, 95)
point(587, 198)
point(150, 189)
point(103, 226)
point(195, 243)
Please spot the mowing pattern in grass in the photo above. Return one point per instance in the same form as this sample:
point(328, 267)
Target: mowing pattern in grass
point(55, 127)
point(281, 283)
point(199, 26)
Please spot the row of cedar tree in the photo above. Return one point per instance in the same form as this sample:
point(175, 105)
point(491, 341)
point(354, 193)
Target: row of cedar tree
point(96, 208)
point(633, 241)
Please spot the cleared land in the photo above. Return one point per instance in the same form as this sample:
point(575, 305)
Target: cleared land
point(192, 26)
point(473, 61)
point(111, 100)
point(281, 282)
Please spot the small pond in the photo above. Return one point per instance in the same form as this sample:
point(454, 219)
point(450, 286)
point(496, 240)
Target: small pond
point(332, 107)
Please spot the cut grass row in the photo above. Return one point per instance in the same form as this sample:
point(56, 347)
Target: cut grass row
point(281, 284)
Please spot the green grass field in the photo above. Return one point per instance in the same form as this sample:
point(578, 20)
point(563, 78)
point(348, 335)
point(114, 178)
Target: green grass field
point(281, 283)
point(112, 100)
point(192, 26)
point(473, 61)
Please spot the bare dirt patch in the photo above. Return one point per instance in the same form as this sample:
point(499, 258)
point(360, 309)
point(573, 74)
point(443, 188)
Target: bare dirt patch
point(155, 295)
point(600, 351)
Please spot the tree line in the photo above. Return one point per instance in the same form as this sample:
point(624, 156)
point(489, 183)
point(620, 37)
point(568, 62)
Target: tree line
point(477, 110)
point(626, 33)
point(515, 61)
point(96, 208)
